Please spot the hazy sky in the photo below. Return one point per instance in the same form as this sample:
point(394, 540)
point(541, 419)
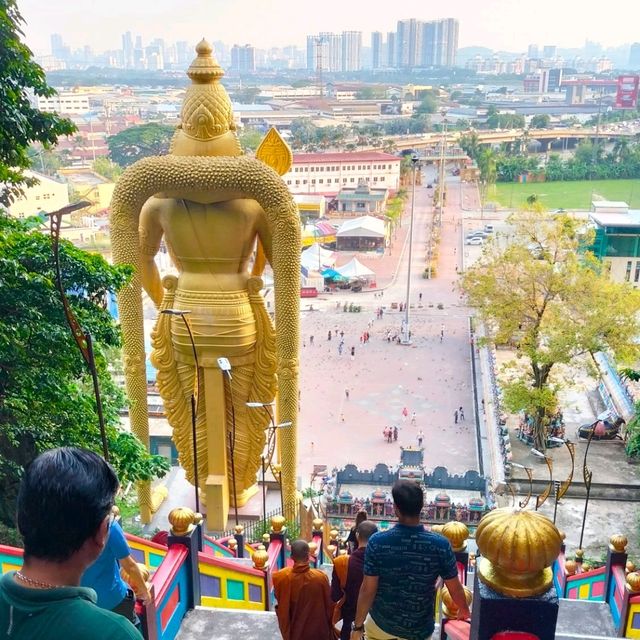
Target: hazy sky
point(498, 24)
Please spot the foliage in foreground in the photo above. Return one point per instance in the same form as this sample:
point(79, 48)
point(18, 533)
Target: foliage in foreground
point(21, 123)
point(46, 394)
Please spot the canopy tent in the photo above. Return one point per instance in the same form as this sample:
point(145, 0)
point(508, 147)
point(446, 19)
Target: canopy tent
point(321, 232)
point(355, 269)
point(315, 258)
point(364, 227)
point(332, 274)
point(362, 234)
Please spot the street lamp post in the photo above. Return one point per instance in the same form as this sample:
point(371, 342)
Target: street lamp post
point(414, 165)
point(267, 460)
point(562, 488)
point(523, 503)
point(587, 476)
point(443, 153)
point(541, 499)
point(194, 395)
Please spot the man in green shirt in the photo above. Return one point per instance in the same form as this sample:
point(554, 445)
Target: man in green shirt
point(64, 515)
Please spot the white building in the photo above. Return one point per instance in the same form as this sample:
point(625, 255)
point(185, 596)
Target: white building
point(48, 195)
point(65, 103)
point(327, 173)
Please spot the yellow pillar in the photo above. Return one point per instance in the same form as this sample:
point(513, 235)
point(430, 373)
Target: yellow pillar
point(217, 486)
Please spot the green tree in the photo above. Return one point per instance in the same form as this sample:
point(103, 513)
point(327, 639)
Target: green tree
point(132, 144)
point(540, 121)
point(428, 104)
point(21, 124)
point(487, 163)
point(46, 394)
point(250, 138)
point(470, 144)
point(554, 304)
point(106, 168)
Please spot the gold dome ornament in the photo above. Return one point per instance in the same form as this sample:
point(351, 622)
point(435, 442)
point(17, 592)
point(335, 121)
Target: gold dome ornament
point(238, 529)
point(277, 524)
point(457, 533)
point(618, 543)
point(260, 557)
point(313, 547)
point(232, 544)
point(449, 607)
point(570, 567)
point(266, 538)
point(183, 520)
point(633, 582)
point(317, 524)
point(517, 549)
point(630, 567)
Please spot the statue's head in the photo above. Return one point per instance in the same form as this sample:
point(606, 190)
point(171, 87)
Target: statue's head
point(207, 127)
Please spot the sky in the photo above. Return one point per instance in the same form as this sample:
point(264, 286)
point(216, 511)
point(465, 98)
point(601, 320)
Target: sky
point(508, 25)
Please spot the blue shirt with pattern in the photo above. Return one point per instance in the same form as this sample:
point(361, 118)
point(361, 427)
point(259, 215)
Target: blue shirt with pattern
point(407, 561)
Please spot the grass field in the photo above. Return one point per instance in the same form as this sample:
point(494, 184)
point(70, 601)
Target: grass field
point(567, 195)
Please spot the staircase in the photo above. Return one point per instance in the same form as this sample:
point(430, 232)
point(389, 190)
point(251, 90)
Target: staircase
point(204, 623)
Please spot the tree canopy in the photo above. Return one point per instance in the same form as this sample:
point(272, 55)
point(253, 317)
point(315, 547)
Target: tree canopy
point(130, 145)
point(46, 394)
point(21, 124)
point(552, 301)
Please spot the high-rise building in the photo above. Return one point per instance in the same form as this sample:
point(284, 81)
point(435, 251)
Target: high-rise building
point(127, 50)
point(351, 50)
point(439, 43)
point(243, 58)
point(377, 44)
point(317, 54)
point(634, 56)
point(409, 43)
point(533, 51)
point(549, 51)
point(59, 49)
point(183, 52)
point(334, 50)
point(392, 49)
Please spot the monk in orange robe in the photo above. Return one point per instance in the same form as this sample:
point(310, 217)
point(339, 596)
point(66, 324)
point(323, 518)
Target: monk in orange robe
point(304, 606)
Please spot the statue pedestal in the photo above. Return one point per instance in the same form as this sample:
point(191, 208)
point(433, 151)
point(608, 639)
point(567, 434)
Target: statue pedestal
point(217, 501)
point(494, 612)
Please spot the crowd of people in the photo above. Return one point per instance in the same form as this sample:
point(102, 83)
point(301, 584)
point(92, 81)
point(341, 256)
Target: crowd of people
point(70, 587)
point(369, 593)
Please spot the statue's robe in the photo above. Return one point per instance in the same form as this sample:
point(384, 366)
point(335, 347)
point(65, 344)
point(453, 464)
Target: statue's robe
point(304, 606)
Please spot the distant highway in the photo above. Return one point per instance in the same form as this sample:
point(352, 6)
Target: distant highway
point(426, 140)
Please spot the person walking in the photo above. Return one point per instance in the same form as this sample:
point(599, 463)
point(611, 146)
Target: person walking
point(441, 332)
point(353, 354)
point(395, 434)
point(405, 413)
point(346, 393)
point(420, 437)
point(413, 418)
point(329, 335)
point(455, 416)
point(389, 605)
point(311, 341)
point(461, 414)
point(419, 297)
point(304, 609)
point(347, 577)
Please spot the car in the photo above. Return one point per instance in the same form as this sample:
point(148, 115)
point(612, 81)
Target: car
point(477, 234)
point(488, 228)
point(475, 240)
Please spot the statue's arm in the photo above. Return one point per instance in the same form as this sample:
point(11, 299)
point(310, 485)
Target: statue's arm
point(150, 238)
point(264, 234)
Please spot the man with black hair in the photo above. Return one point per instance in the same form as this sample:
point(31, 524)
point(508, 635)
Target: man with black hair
point(347, 578)
point(64, 516)
point(304, 606)
point(401, 567)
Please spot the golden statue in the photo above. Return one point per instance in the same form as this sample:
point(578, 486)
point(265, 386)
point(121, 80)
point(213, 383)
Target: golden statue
point(214, 208)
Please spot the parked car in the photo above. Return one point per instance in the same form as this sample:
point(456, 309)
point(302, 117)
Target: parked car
point(489, 228)
point(475, 240)
point(477, 234)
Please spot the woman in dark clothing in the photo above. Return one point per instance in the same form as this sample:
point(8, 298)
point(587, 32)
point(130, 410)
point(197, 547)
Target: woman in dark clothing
point(352, 543)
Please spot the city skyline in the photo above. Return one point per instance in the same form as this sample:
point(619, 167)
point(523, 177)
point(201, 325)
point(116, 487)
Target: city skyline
point(496, 24)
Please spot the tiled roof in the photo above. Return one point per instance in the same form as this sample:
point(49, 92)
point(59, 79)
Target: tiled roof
point(355, 156)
